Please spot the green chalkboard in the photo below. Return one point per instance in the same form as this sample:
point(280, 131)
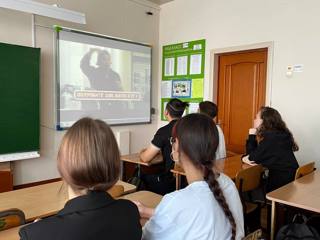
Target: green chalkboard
point(19, 98)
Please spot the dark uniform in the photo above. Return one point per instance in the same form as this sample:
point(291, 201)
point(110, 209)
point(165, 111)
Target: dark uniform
point(164, 182)
point(95, 215)
point(274, 152)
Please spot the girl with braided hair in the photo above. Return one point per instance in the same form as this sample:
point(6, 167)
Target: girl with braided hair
point(209, 208)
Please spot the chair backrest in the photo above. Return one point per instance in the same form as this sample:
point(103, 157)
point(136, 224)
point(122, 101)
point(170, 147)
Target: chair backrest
point(305, 170)
point(249, 179)
point(6, 183)
point(116, 191)
point(11, 218)
point(256, 235)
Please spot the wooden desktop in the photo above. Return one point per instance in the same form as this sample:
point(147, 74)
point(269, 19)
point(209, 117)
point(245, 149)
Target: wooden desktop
point(149, 199)
point(230, 166)
point(43, 200)
point(302, 193)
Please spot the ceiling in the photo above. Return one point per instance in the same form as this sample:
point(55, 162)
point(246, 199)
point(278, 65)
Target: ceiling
point(160, 1)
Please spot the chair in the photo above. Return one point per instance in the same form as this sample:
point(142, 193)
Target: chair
point(305, 170)
point(248, 180)
point(11, 218)
point(116, 191)
point(6, 183)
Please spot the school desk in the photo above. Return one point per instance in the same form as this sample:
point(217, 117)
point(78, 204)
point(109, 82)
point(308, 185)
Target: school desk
point(135, 159)
point(230, 166)
point(10, 234)
point(302, 193)
point(43, 200)
point(149, 199)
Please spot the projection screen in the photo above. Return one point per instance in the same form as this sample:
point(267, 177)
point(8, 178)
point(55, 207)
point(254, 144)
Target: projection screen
point(102, 77)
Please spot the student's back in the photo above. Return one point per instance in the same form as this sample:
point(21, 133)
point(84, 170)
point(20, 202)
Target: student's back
point(164, 181)
point(93, 216)
point(221, 149)
point(194, 213)
point(89, 163)
point(211, 109)
point(210, 207)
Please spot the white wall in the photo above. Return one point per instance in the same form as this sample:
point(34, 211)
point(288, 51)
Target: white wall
point(118, 18)
point(292, 25)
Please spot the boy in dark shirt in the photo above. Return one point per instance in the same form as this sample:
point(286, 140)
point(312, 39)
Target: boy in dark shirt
point(163, 183)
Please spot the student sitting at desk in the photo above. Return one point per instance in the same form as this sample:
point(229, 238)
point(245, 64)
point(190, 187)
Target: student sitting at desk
point(271, 144)
point(211, 110)
point(89, 162)
point(209, 208)
point(164, 182)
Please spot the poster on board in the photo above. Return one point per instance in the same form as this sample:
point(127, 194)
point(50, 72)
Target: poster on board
point(183, 73)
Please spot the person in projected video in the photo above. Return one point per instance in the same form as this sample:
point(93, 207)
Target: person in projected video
point(102, 77)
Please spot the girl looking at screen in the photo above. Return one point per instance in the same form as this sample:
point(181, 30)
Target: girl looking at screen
point(209, 207)
point(271, 144)
point(89, 162)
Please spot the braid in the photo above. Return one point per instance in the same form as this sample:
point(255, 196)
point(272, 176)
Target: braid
point(210, 178)
point(198, 140)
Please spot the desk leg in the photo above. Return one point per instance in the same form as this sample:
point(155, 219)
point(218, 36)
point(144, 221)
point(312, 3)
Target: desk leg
point(122, 171)
point(139, 170)
point(273, 218)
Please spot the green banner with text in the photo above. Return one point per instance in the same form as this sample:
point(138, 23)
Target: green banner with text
point(183, 73)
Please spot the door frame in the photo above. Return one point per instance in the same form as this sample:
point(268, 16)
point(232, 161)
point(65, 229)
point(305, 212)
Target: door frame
point(214, 67)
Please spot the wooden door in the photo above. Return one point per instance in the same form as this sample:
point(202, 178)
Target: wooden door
point(241, 92)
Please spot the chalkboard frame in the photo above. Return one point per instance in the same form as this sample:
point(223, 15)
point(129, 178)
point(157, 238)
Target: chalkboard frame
point(20, 101)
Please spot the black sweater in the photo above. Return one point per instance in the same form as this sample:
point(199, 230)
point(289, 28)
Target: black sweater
point(274, 152)
point(94, 216)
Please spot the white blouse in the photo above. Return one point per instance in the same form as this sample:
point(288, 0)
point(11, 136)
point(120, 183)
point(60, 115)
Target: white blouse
point(194, 213)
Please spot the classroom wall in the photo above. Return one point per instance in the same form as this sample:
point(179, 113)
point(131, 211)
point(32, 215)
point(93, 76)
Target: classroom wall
point(118, 18)
point(292, 27)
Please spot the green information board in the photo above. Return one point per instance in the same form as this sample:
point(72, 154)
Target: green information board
point(182, 73)
point(19, 98)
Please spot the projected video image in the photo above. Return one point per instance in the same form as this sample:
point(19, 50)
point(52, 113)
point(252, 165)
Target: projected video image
point(104, 79)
